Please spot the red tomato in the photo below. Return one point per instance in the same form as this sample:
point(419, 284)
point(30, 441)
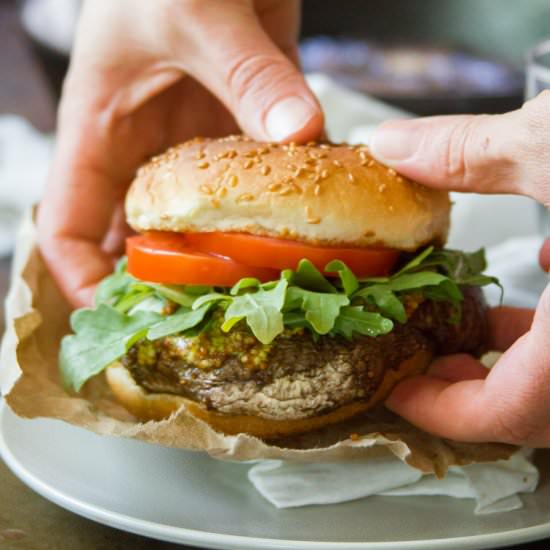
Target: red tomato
point(281, 254)
point(166, 258)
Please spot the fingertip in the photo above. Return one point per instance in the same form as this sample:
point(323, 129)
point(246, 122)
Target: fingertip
point(392, 142)
point(294, 118)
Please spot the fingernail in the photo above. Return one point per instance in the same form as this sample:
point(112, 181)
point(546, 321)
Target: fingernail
point(391, 143)
point(288, 117)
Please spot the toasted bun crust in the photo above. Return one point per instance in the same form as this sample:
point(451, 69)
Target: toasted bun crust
point(156, 406)
point(316, 193)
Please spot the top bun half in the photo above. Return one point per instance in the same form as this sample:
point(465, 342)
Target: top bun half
point(317, 193)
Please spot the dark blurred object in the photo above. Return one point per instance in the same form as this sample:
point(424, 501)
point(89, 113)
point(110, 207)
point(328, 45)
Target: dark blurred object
point(23, 89)
point(421, 79)
point(50, 26)
point(494, 29)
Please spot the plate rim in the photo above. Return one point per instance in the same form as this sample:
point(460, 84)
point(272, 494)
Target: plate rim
point(196, 537)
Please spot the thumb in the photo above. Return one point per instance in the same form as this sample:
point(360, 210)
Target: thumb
point(255, 78)
point(484, 153)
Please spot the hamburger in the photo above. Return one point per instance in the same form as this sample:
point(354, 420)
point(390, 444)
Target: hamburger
point(275, 289)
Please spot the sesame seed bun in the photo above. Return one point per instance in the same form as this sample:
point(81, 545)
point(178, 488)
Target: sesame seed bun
point(157, 406)
point(315, 193)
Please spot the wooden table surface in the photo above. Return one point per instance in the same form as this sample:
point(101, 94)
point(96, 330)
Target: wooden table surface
point(28, 521)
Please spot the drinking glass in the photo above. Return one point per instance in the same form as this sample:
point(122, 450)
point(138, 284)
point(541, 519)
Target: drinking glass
point(538, 79)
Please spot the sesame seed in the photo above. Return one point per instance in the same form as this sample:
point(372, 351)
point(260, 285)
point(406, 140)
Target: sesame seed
point(274, 187)
point(310, 161)
point(231, 154)
point(221, 192)
point(382, 187)
point(248, 164)
point(233, 180)
point(351, 179)
point(245, 197)
point(310, 218)
point(310, 143)
point(215, 203)
point(200, 155)
point(250, 154)
point(292, 167)
point(203, 165)
point(337, 163)
point(324, 173)
point(286, 191)
point(370, 163)
point(206, 189)
point(263, 150)
point(299, 172)
point(324, 146)
point(392, 172)
point(317, 190)
point(362, 155)
point(296, 188)
point(265, 170)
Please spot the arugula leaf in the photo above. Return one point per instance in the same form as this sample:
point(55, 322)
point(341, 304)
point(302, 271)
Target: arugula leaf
point(411, 281)
point(354, 319)
point(177, 294)
point(181, 321)
point(111, 289)
point(248, 283)
point(136, 295)
point(347, 277)
point(309, 277)
point(262, 311)
point(321, 309)
point(102, 335)
point(416, 261)
point(211, 298)
point(386, 301)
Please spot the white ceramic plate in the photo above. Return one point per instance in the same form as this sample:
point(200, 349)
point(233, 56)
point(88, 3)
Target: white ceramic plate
point(192, 499)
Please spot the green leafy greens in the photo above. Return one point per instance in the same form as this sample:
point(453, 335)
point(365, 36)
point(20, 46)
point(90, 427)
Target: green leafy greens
point(128, 310)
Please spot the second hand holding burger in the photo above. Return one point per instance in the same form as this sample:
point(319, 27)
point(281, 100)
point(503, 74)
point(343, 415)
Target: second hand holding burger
point(276, 289)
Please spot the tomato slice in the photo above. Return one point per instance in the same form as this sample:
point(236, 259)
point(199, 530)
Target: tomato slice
point(282, 254)
point(167, 258)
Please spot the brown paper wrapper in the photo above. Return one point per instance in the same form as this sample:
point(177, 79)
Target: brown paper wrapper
point(38, 317)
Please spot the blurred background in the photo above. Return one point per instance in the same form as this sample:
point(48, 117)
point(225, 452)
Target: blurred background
point(427, 56)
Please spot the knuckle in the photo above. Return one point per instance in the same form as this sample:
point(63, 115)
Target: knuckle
point(514, 428)
point(461, 150)
point(253, 76)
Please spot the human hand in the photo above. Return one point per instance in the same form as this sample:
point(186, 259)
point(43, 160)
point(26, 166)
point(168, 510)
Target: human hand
point(147, 75)
point(459, 398)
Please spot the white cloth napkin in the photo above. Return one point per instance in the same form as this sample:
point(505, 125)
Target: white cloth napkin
point(494, 486)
